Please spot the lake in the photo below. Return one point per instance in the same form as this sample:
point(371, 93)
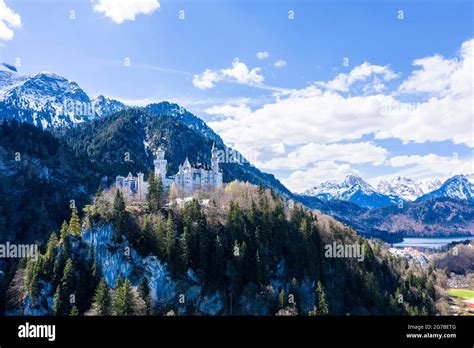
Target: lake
point(429, 243)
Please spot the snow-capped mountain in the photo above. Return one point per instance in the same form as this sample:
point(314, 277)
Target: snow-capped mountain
point(430, 185)
point(406, 188)
point(104, 106)
point(353, 189)
point(47, 99)
point(459, 186)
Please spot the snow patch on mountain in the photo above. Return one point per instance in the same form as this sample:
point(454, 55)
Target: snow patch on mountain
point(406, 188)
point(459, 187)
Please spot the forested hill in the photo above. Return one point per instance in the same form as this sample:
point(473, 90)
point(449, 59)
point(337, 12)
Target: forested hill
point(40, 179)
point(125, 142)
point(239, 250)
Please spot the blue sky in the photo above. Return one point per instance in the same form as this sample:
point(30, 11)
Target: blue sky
point(289, 119)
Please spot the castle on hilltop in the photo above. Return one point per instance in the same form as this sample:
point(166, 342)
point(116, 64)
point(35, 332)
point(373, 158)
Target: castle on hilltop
point(189, 178)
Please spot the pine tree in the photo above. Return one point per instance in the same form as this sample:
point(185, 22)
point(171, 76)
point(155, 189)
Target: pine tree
point(65, 290)
point(64, 231)
point(170, 238)
point(119, 216)
point(60, 262)
point(154, 195)
point(50, 255)
point(145, 241)
point(57, 302)
point(281, 299)
point(102, 300)
point(160, 233)
point(118, 282)
point(322, 304)
point(184, 247)
point(123, 303)
point(74, 223)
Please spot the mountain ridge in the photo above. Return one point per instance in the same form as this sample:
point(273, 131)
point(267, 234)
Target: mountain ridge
point(352, 189)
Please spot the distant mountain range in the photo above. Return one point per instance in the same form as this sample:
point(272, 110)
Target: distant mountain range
point(353, 189)
point(398, 190)
point(387, 213)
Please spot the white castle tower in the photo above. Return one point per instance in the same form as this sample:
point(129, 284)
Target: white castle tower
point(217, 179)
point(160, 165)
point(141, 189)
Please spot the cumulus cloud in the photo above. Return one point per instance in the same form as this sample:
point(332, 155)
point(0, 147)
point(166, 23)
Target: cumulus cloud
point(432, 77)
point(263, 55)
point(320, 118)
point(361, 73)
point(432, 164)
point(238, 73)
point(280, 63)
point(8, 19)
point(206, 80)
point(325, 116)
point(242, 73)
point(309, 154)
point(125, 10)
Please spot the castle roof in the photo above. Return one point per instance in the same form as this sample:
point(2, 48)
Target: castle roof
point(186, 163)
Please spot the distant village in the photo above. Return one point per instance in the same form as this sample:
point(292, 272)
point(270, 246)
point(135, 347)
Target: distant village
point(411, 254)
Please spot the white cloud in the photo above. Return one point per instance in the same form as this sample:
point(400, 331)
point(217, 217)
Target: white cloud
point(125, 10)
point(263, 55)
point(280, 63)
point(306, 155)
point(462, 78)
point(361, 73)
point(432, 77)
point(239, 73)
point(299, 181)
point(229, 110)
point(8, 19)
point(433, 165)
point(206, 80)
point(242, 73)
point(319, 118)
point(312, 115)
